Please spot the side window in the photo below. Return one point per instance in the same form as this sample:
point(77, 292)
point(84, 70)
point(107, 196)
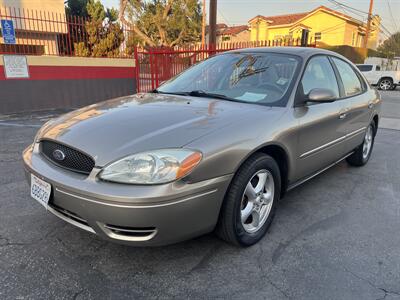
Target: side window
point(351, 82)
point(319, 74)
point(364, 68)
point(378, 68)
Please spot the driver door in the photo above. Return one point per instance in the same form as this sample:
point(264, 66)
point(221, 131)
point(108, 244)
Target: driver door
point(321, 129)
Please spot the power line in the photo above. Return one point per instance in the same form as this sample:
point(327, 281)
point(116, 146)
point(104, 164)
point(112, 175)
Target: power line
point(384, 28)
point(391, 15)
point(348, 9)
point(223, 17)
point(347, 6)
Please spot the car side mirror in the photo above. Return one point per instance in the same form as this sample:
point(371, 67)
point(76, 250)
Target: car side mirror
point(320, 95)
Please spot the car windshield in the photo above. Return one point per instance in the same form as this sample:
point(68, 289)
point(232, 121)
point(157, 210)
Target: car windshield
point(262, 78)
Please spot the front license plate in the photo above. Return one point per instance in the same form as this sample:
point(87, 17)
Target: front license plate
point(40, 190)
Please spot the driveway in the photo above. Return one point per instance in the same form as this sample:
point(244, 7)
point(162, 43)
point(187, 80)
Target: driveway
point(336, 237)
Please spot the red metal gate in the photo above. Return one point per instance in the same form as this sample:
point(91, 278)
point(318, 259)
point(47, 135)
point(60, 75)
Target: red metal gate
point(155, 65)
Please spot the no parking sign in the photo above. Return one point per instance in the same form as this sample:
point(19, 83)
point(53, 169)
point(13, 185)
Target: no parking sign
point(8, 31)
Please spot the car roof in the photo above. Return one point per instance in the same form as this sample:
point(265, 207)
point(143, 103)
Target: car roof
point(304, 52)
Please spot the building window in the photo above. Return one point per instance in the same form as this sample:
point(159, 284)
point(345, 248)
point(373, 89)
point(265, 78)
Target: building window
point(226, 38)
point(318, 36)
point(289, 36)
point(353, 39)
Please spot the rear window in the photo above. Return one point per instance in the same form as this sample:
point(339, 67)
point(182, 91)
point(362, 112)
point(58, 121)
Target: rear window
point(351, 82)
point(364, 68)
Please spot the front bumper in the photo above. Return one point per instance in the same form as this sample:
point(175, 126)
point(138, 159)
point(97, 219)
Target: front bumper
point(130, 214)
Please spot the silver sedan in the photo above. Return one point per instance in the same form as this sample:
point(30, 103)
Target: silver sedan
point(213, 149)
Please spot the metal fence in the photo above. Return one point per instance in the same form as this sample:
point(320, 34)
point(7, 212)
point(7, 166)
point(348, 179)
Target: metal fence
point(155, 65)
point(48, 33)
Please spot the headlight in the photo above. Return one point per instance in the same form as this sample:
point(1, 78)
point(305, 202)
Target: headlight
point(152, 167)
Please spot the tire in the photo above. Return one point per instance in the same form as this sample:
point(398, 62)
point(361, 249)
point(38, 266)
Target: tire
point(359, 158)
point(385, 84)
point(237, 201)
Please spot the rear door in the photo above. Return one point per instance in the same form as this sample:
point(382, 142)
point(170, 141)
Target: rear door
point(358, 103)
point(321, 130)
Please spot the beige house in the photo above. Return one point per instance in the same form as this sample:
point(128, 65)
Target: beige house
point(233, 34)
point(37, 23)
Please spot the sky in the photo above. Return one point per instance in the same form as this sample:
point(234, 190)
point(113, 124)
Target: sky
point(236, 12)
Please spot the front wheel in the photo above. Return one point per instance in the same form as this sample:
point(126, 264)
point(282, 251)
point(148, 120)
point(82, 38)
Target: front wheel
point(249, 205)
point(362, 154)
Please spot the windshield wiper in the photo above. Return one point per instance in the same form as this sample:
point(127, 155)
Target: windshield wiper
point(200, 93)
point(157, 91)
point(197, 93)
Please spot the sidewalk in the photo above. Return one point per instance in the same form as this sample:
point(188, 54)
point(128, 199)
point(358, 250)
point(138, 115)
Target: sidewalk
point(390, 110)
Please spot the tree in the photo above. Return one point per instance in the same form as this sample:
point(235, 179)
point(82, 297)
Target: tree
point(76, 8)
point(104, 33)
point(162, 22)
point(75, 12)
point(391, 47)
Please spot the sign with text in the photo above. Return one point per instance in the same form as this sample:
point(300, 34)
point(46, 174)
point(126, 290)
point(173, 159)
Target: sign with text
point(8, 31)
point(15, 66)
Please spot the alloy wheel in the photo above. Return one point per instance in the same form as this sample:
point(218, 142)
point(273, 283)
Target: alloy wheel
point(257, 201)
point(385, 84)
point(367, 145)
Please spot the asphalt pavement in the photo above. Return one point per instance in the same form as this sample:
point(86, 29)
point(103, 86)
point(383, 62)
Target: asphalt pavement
point(335, 237)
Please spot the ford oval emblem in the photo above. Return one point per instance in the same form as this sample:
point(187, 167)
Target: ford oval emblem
point(58, 155)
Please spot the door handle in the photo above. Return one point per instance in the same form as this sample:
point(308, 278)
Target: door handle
point(343, 113)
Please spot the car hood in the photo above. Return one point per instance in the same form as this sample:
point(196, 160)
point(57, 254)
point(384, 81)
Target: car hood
point(116, 128)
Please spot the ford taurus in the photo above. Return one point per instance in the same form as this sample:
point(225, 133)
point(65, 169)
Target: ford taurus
point(212, 149)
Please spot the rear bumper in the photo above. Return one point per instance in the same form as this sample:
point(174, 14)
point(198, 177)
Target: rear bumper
point(129, 214)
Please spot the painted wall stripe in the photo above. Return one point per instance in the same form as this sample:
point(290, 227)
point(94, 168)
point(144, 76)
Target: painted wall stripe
point(77, 61)
point(69, 72)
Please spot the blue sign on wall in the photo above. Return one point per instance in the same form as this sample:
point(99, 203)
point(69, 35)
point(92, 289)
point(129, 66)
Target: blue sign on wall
point(7, 31)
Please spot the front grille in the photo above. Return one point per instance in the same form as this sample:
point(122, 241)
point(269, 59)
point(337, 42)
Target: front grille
point(73, 159)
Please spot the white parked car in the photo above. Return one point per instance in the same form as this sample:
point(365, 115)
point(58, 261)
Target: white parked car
point(384, 80)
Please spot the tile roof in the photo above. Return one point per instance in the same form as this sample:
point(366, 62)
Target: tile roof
point(285, 19)
point(293, 18)
point(233, 30)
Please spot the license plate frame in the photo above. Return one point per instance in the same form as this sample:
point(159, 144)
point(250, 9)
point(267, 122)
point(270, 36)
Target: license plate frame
point(40, 190)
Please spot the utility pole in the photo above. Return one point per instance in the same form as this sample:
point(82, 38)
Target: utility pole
point(367, 32)
point(213, 23)
point(203, 25)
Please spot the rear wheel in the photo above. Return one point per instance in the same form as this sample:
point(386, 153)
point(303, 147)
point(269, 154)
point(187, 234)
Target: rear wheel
point(385, 84)
point(250, 202)
point(363, 152)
